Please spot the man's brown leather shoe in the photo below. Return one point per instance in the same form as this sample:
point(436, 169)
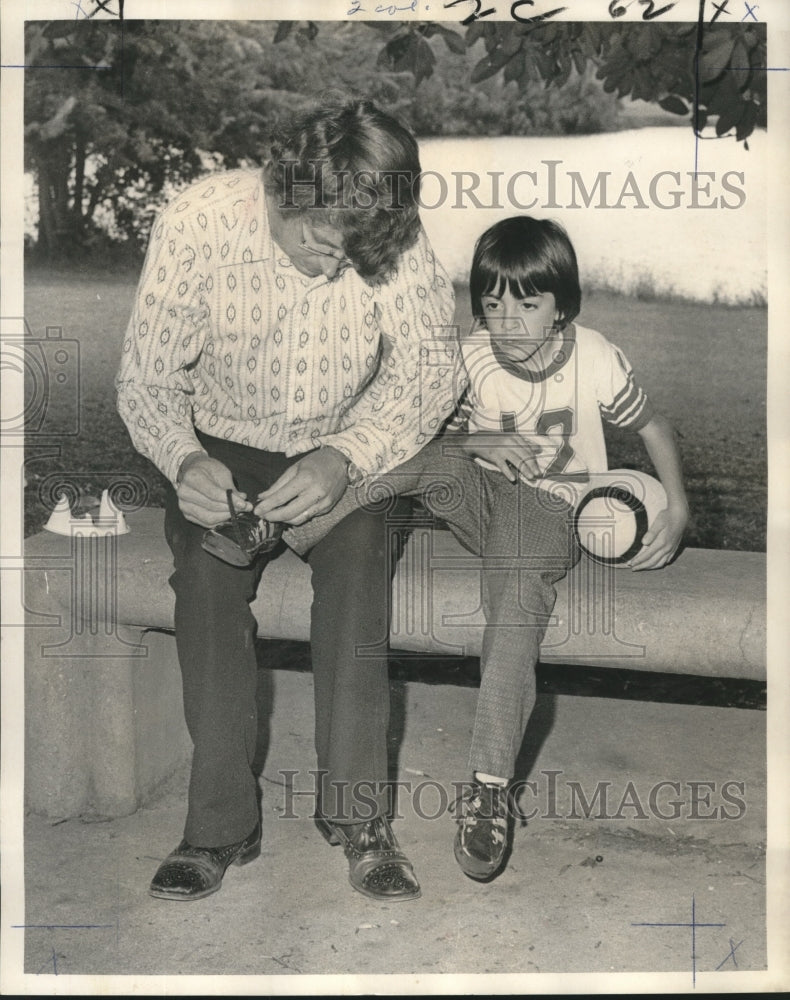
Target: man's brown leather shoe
point(376, 865)
point(195, 872)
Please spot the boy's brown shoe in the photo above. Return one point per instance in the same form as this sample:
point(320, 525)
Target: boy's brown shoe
point(481, 840)
point(241, 539)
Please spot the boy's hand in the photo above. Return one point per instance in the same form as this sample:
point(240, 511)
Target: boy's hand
point(661, 540)
point(510, 453)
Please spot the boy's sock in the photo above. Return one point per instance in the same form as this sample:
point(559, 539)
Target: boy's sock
point(490, 779)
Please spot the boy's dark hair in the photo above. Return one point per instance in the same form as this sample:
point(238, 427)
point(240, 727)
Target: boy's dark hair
point(529, 257)
point(363, 167)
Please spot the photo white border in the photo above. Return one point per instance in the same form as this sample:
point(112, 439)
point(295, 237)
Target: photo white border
point(777, 15)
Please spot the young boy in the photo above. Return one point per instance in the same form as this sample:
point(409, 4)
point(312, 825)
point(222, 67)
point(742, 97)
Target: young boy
point(539, 388)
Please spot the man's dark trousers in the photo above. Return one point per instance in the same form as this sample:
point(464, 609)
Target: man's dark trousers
point(215, 630)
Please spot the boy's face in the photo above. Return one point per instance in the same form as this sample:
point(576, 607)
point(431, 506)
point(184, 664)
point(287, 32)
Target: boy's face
point(520, 326)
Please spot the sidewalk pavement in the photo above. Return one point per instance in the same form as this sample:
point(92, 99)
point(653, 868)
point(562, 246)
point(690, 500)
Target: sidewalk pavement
point(615, 892)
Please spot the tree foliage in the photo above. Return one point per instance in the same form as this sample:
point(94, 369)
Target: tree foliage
point(130, 113)
point(720, 74)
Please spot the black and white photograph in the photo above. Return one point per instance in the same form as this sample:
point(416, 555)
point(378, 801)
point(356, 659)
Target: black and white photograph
point(394, 521)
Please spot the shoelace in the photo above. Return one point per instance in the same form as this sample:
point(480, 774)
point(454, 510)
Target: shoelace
point(259, 532)
point(234, 519)
point(472, 801)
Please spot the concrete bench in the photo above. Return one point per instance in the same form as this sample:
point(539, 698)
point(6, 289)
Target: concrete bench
point(104, 722)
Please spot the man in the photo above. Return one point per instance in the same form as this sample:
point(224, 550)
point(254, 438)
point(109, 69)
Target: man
point(277, 353)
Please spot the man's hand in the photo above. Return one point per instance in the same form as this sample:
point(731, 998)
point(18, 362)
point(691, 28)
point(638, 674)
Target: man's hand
point(510, 453)
point(202, 488)
point(661, 540)
point(309, 487)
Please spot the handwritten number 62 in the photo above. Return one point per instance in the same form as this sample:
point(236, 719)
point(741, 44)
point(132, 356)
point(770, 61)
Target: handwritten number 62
point(616, 9)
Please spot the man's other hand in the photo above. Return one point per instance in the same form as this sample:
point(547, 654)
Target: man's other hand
point(309, 487)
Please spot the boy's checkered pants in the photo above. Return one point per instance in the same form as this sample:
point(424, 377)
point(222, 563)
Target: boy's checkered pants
point(526, 541)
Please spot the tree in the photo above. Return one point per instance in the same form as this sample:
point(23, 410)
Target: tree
point(138, 108)
point(720, 72)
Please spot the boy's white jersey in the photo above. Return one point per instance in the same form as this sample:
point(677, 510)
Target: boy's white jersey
point(559, 410)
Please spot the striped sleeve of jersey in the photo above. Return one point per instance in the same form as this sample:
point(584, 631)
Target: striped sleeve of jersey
point(622, 400)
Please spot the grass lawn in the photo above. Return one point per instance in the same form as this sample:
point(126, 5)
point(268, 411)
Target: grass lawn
point(704, 366)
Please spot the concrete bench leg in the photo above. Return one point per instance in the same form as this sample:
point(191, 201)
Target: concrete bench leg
point(105, 722)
